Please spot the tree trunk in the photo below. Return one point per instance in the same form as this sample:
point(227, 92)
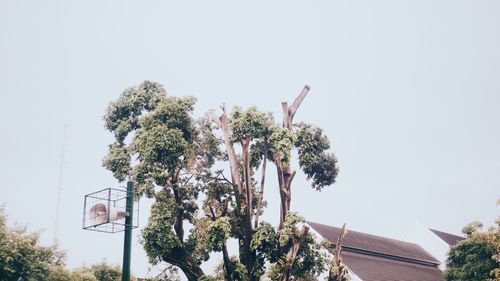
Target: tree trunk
point(245, 145)
point(242, 194)
point(262, 182)
point(285, 178)
point(182, 259)
point(231, 154)
point(286, 173)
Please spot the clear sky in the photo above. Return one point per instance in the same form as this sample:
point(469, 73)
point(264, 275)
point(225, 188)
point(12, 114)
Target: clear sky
point(407, 91)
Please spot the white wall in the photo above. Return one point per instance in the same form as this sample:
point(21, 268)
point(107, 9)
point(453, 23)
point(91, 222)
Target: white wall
point(421, 235)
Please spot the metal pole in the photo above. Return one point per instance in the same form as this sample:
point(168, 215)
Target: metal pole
point(127, 245)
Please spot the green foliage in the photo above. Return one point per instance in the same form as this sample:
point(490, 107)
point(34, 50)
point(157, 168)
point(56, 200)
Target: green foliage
point(21, 255)
point(122, 115)
point(97, 272)
point(207, 145)
point(310, 261)
point(289, 228)
point(315, 161)
point(105, 272)
point(157, 236)
point(281, 141)
point(265, 244)
point(248, 123)
point(118, 161)
point(339, 269)
point(165, 137)
point(239, 274)
point(173, 159)
point(218, 233)
point(198, 242)
point(59, 273)
point(264, 241)
point(475, 258)
point(78, 275)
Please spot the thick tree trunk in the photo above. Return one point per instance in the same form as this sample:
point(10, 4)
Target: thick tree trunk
point(250, 256)
point(178, 225)
point(182, 259)
point(242, 194)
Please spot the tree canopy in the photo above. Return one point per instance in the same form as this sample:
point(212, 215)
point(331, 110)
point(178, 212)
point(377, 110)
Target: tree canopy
point(476, 258)
point(23, 258)
point(207, 177)
point(21, 255)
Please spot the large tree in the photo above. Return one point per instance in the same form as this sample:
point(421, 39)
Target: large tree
point(208, 177)
point(476, 258)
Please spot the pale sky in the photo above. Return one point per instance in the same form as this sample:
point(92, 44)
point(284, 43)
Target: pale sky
point(407, 91)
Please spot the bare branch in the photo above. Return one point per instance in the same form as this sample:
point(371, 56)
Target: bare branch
point(212, 212)
point(233, 161)
point(296, 103)
point(284, 107)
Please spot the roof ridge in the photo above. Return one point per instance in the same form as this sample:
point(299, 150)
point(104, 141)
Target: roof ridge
point(447, 233)
point(368, 234)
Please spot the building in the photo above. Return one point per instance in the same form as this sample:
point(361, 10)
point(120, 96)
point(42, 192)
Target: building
point(375, 258)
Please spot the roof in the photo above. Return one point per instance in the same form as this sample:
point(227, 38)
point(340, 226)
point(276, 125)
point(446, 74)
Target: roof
point(375, 244)
point(450, 239)
point(376, 258)
point(370, 268)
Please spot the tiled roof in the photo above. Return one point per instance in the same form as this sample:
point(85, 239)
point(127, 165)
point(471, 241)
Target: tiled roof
point(450, 239)
point(376, 244)
point(370, 268)
point(375, 258)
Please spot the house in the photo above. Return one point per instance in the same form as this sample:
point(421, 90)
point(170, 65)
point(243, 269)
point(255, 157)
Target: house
point(375, 258)
point(436, 242)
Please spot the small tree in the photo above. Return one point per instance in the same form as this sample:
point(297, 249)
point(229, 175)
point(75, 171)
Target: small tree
point(21, 255)
point(100, 272)
point(477, 257)
point(204, 173)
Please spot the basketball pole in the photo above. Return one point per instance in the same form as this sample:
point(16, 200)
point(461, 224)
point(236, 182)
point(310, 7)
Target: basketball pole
point(127, 243)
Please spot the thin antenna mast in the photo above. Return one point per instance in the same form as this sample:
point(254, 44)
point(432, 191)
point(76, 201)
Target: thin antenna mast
point(60, 182)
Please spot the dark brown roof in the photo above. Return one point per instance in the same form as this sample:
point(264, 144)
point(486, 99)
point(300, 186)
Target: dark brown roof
point(450, 239)
point(358, 241)
point(370, 268)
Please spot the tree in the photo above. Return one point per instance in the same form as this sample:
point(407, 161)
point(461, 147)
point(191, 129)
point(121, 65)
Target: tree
point(477, 257)
point(208, 174)
point(98, 272)
point(338, 270)
point(21, 256)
